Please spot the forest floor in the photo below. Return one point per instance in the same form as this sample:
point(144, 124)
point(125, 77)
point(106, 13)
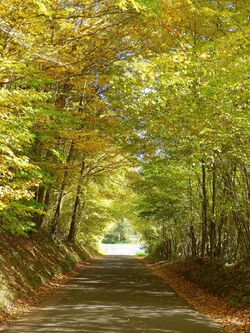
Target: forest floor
point(31, 268)
point(218, 297)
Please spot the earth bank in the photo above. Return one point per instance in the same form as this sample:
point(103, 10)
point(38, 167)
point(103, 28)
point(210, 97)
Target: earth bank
point(28, 264)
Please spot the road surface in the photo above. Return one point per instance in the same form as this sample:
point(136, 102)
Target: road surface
point(114, 294)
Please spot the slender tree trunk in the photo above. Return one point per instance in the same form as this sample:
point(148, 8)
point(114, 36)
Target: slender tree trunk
point(42, 197)
point(191, 227)
point(204, 209)
point(55, 220)
point(193, 241)
point(74, 222)
point(219, 232)
point(212, 220)
point(46, 206)
point(247, 184)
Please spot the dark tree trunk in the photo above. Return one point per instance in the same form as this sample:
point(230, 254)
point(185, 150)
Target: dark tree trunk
point(193, 242)
point(204, 209)
point(219, 232)
point(55, 220)
point(74, 222)
point(39, 196)
point(212, 230)
point(191, 227)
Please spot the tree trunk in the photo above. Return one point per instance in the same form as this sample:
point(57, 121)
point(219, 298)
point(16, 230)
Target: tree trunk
point(74, 222)
point(219, 232)
point(212, 230)
point(191, 227)
point(46, 206)
point(193, 241)
point(55, 220)
point(40, 199)
point(204, 209)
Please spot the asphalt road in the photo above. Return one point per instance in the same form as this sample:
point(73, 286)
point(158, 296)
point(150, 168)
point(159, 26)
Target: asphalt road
point(115, 294)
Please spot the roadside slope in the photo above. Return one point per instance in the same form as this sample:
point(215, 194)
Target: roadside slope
point(26, 264)
point(235, 319)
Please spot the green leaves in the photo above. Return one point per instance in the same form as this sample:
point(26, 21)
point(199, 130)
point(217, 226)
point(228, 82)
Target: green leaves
point(88, 90)
point(188, 104)
point(148, 7)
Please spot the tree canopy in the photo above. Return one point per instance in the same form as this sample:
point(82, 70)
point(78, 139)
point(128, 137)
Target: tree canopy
point(127, 110)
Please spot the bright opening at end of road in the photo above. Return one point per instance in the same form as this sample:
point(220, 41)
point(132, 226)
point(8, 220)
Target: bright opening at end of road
point(121, 249)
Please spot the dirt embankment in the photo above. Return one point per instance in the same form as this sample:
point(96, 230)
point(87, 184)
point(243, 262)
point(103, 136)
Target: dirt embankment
point(220, 294)
point(31, 268)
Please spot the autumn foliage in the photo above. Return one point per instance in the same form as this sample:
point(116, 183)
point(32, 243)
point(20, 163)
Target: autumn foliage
point(127, 109)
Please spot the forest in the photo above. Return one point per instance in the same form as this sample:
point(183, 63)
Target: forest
point(127, 109)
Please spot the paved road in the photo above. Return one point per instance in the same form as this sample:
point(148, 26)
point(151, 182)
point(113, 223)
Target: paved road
point(115, 294)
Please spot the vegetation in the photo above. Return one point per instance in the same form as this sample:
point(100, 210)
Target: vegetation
point(136, 110)
point(121, 232)
point(28, 264)
point(190, 114)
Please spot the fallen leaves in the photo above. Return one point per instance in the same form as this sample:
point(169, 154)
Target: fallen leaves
point(233, 319)
point(25, 304)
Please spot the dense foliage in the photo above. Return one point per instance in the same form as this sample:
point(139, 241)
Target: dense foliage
point(189, 106)
point(136, 110)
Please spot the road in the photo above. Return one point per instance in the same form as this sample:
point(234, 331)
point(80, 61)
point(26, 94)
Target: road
point(114, 294)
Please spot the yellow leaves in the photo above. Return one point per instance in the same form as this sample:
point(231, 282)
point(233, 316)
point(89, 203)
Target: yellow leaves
point(125, 3)
point(204, 55)
point(43, 7)
point(210, 11)
point(2, 204)
point(21, 99)
point(88, 141)
point(91, 146)
point(112, 122)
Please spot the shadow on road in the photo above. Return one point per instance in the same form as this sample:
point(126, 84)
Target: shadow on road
point(115, 294)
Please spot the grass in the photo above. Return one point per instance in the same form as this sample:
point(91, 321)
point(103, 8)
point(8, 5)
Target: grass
point(141, 254)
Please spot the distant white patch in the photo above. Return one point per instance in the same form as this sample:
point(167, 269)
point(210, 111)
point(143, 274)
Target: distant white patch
point(121, 249)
